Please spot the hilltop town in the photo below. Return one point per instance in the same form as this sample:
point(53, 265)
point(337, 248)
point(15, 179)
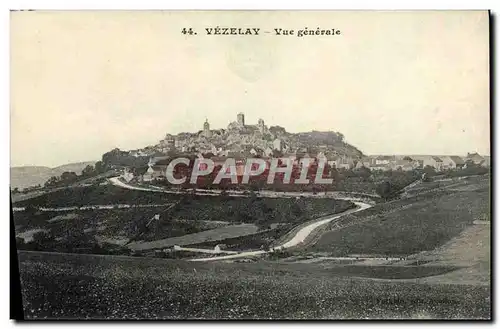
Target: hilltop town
point(241, 140)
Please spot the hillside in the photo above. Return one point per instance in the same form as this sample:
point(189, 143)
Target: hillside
point(111, 287)
point(25, 176)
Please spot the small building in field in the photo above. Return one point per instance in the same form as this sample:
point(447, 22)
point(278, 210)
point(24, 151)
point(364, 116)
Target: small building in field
point(404, 165)
point(475, 158)
point(452, 162)
point(433, 161)
point(155, 172)
point(220, 247)
point(365, 162)
point(342, 162)
point(384, 160)
point(380, 167)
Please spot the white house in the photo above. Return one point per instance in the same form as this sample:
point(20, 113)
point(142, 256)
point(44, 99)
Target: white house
point(452, 162)
point(404, 165)
point(434, 162)
point(475, 158)
point(383, 160)
point(154, 172)
point(365, 162)
point(342, 162)
point(278, 144)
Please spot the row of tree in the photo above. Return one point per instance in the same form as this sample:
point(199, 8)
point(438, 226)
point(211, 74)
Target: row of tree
point(70, 177)
point(110, 160)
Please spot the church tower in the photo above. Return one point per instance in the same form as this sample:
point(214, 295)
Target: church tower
point(206, 129)
point(261, 126)
point(241, 119)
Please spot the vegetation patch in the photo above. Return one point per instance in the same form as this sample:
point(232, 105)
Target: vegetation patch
point(96, 195)
point(188, 220)
point(104, 287)
point(404, 227)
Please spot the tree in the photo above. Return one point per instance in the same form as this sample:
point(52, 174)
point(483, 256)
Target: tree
point(42, 240)
point(430, 171)
point(69, 177)
point(88, 171)
point(52, 181)
point(263, 224)
point(296, 209)
point(364, 173)
point(74, 229)
point(100, 167)
point(470, 164)
point(386, 190)
point(31, 209)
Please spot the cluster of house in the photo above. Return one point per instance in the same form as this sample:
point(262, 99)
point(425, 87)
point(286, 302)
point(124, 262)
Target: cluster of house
point(410, 162)
point(218, 141)
point(157, 166)
point(241, 141)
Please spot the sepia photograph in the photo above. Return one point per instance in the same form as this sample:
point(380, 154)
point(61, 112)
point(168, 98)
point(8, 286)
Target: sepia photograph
point(250, 165)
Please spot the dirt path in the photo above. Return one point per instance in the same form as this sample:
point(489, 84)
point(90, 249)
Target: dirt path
point(299, 237)
point(268, 194)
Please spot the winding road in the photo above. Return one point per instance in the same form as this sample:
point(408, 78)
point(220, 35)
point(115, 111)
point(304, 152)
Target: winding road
point(298, 238)
point(264, 193)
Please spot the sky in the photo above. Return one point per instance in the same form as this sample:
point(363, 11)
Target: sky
point(83, 83)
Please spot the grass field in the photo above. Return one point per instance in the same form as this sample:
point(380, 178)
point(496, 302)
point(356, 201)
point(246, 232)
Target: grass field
point(105, 287)
point(471, 183)
point(253, 241)
point(221, 233)
point(184, 220)
point(404, 227)
point(96, 195)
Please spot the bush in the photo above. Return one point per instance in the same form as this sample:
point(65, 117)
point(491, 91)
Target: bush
point(279, 254)
point(471, 170)
point(395, 182)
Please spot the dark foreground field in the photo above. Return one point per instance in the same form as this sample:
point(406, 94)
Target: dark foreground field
point(110, 287)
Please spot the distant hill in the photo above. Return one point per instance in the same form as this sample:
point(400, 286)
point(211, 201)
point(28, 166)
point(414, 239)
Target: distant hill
point(26, 176)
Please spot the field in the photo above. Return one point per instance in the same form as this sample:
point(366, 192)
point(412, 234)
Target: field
point(96, 195)
point(104, 287)
point(227, 232)
point(182, 219)
point(253, 241)
point(436, 222)
point(408, 226)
